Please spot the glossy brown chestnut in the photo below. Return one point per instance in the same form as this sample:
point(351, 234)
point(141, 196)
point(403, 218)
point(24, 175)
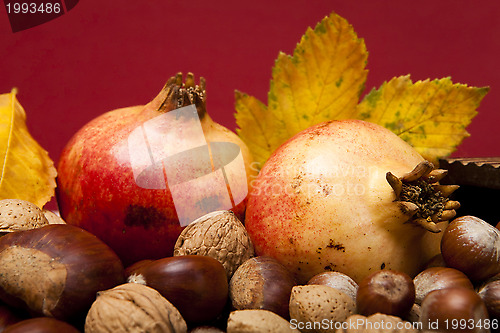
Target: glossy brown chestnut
point(388, 292)
point(196, 285)
point(41, 325)
point(490, 294)
point(56, 270)
point(454, 310)
point(262, 283)
point(337, 280)
point(472, 246)
point(435, 278)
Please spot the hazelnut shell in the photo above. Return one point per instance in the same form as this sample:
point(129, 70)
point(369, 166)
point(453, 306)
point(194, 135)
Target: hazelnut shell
point(490, 294)
point(262, 283)
point(435, 278)
point(386, 291)
point(472, 246)
point(338, 281)
point(443, 307)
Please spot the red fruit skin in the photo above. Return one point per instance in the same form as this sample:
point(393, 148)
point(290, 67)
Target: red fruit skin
point(97, 191)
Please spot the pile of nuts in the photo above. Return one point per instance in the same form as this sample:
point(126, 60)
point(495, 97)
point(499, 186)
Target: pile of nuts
point(59, 278)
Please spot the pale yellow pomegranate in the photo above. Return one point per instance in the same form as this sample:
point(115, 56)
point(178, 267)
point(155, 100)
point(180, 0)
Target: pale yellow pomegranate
point(348, 196)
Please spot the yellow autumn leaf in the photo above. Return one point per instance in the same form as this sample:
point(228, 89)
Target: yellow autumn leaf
point(432, 116)
point(322, 80)
point(27, 172)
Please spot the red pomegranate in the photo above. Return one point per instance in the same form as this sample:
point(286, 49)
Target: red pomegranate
point(136, 176)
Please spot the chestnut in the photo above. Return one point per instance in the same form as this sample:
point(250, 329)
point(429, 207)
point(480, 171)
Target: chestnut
point(41, 325)
point(454, 310)
point(196, 285)
point(435, 278)
point(386, 291)
point(262, 283)
point(337, 280)
point(56, 270)
point(490, 294)
point(472, 246)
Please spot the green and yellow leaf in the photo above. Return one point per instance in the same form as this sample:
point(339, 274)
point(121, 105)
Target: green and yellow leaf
point(27, 172)
point(322, 80)
point(432, 116)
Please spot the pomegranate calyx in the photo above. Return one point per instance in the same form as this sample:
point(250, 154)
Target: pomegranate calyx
point(176, 94)
point(422, 198)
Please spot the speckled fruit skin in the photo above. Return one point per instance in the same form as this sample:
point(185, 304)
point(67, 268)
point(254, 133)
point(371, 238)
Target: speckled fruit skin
point(97, 191)
point(321, 202)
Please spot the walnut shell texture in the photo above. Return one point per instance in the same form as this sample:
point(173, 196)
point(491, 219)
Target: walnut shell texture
point(133, 308)
point(219, 235)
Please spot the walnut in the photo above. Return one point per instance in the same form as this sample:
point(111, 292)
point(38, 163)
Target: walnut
point(133, 307)
point(17, 215)
point(377, 323)
point(219, 235)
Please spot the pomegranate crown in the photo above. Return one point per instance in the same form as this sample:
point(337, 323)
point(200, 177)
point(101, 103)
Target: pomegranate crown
point(422, 198)
point(176, 93)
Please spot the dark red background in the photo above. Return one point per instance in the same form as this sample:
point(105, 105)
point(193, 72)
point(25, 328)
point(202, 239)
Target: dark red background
point(103, 55)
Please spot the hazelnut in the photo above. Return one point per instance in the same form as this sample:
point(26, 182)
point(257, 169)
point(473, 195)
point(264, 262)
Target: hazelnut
point(262, 283)
point(385, 291)
point(219, 235)
point(490, 294)
point(133, 307)
point(438, 278)
point(414, 314)
point(16, 215)
point(196, 285)
point(56, 270)
point(453, 310)
point(312, 306)
point(338, 281)
point(253, 321)
point(472, 246)
point(41, 325)
point(378, 322)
